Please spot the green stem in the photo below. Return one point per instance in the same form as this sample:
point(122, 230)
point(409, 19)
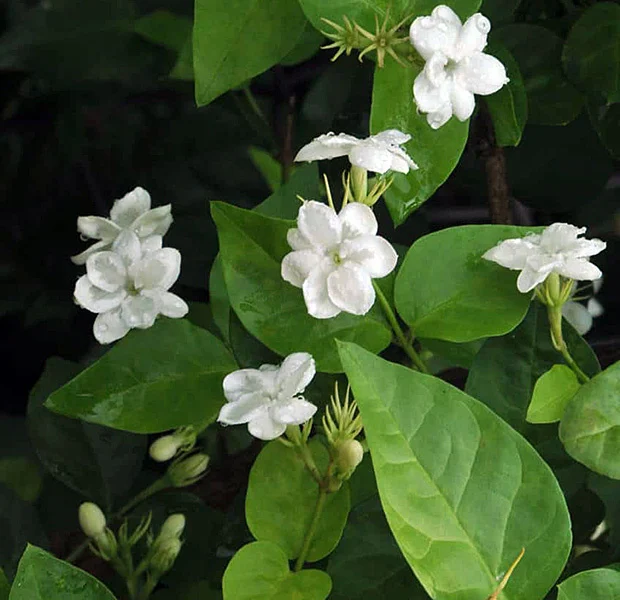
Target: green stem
point(256, 109)
point(318, 510)
point(400, 335)
point(557, 338)
point(147, 590)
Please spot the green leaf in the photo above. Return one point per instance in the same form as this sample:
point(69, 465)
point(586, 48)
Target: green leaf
point(218, 298)
point(446, 290)
point(460, 355)
point(367, 562)
point(515, 362)
point(605, 119)
point(590, 426)
point(252, 247)
point(5, 586)
point(41, 576)
point(259, 571)
point(552, 392)
point(281, 499)
point(598, 584)
point(552, 100)
point(591, 54)
point(268, 166)
point(462, 491)
point(238, 39)
point(436, 152)
point(95, 461)
point(22, 475)
point(508, 106)
point(499, 11)
point(165, 29)
point(152, 380)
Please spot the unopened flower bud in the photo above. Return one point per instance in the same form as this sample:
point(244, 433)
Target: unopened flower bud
point(166, 554)
point(350, 454)
point(188, 470)
point(92, 519)
point(173, 527)
point(164, 448)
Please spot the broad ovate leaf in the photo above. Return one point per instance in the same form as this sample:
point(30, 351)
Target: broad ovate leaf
point(462, 491)
point(552, 392)
point(597, 584)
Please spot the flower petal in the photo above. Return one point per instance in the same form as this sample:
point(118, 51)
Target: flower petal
point(401, 161)
point(156, 221)
point(579, 269)
point(98, 228)
point(315, 293)
point(296, 266)
point(247, 407)
point(429, 97)
point(139, 312)
point(127, 246)
point(265, 428)
point(463, 102)
point(528, 279)
point(357, 219)
point(392, 137)
point(159, 269)
point(295, 374)
point(350, 289)
point(481, 74)
point(296, 240)
point(437, 32)
point(128, 208)
point(473, 36)
point(578, 316)
point(438, 118)
point(94, 299)
point(319, 224)
point(584, 248)
point(242, 382)
point(512, 254)
point(371, 252)
point(327, 146)
point(106, 270)
point(595, 308)
point(109, 327)
point(293, 412)
point(558, 237)
point(151, 244)
point(169, 305)
point(435, 69)
point(371, 156)
point(80, 259)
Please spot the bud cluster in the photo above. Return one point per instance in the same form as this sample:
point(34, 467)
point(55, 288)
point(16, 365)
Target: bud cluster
point(168, 446)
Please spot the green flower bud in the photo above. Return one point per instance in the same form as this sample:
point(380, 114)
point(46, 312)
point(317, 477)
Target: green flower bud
point(188, 471)
point(164, 448)
point(349, 454)
point(92, 519)
point(173, 527)
point(165, 555)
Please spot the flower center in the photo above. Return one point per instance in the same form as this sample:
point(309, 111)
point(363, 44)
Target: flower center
point(450, 67)
point(336, 258)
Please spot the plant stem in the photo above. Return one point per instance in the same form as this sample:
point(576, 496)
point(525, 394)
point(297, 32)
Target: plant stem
point(318, 510)
point(400, 335)
point(555, 322)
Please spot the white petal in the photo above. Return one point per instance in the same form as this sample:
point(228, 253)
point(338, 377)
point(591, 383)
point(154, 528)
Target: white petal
point(158, 270)
point(435, 69)
point(98, 228)
point(481, 74)
point(350, 289)
point(315, 292)
point(438, 118)
point(528, 279)
point(437, 32)
point(559, 237)
point(319, 224)
point(106, 270)
point(242, 382)
point(579, 269)
point(265, 428)
point(584, 248)
point(595, 308)
point(127, 246)
point(139, 312)
point(512, 254)
point(391, 136)
point(95, 300)
point(296, 266)
point(128, 208)
point(293, 412)
point(401, 161)
point(371, 156)
point(156, 221)
point(295, 374)
point(428, 97)
point(473, 36)
point(151, 244)
point(80, 259)
point(296, 240)
point(243, 410)
point(371, 252)
point(357, 219)
point(598, 284)
point(109, 327)
point(463, 102)
point(578, 316)
point(327, 146)
point(167, 304)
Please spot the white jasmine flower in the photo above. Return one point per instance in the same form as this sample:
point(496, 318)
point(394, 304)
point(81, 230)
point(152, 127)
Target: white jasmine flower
point(456, 68)
point(556, 250)
point(582, 317)
point(132, 212)
point(269, 399)
point(128, 286)
point(378, 153)
point(335, 257)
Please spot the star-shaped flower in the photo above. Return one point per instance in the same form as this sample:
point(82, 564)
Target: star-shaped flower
point(127, 286)
point(133, 213)
point(456, 68)
point(335, 257)
point(269, 399)
point(378, 153)
point(558, 249)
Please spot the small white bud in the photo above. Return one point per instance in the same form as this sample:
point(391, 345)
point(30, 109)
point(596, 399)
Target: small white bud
point(173, 526)
point(189, 470)
point(166, 554)
point(350, 454)
point(164, 448)
point(92, 519)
